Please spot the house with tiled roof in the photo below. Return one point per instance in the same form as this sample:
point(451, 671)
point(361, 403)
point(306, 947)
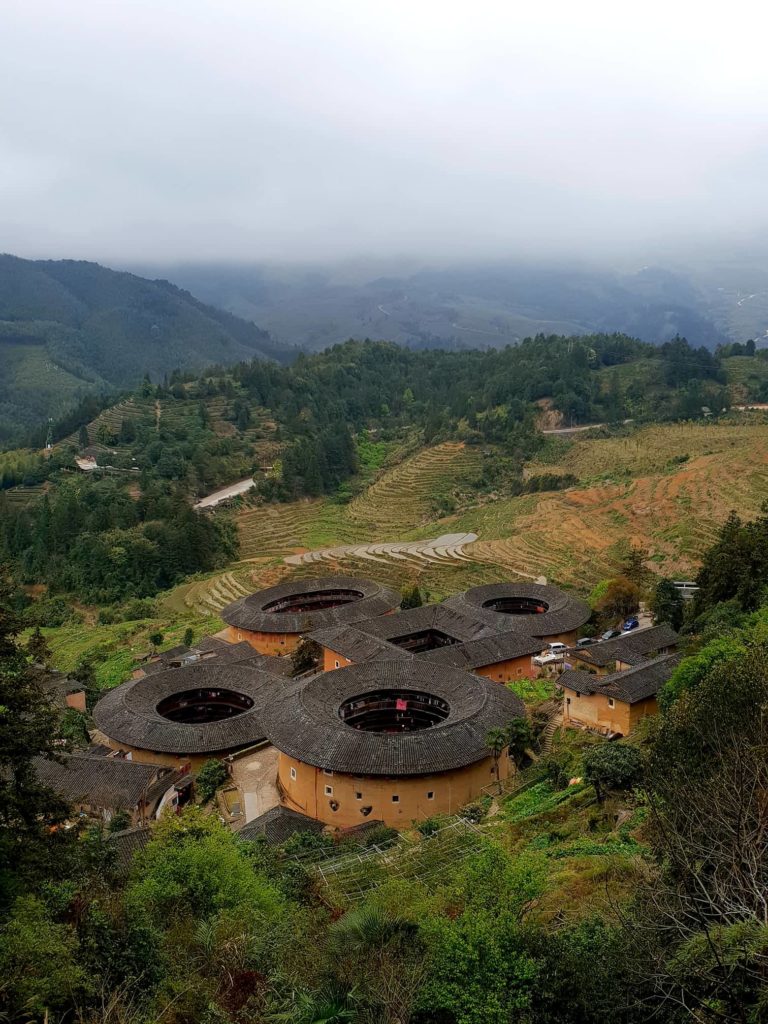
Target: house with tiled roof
point(627, 650)
point(101, 786)
point(278, 824)
point(614, 704)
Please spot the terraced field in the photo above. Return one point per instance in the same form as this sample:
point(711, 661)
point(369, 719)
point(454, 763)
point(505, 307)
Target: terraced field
point(400, 499)
point(665, 488)
point(745, 376)
point(655, 449)
point(404, 497)
point(575, 536)
point(267, 531)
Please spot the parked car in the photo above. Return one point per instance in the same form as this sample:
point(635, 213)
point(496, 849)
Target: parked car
point(631, 623)
point(610, 634)
point(555, 646)
point(549, 658)
point(587, 641)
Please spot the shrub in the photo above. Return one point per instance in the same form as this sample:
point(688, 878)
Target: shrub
point(120, 820)
point(213, 773)
point(52, 612)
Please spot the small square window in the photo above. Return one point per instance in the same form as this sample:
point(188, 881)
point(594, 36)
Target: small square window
point(327, 771)
point(358, 796)
point(335, 664)
point(611, 702)
point(395, 799)
point(430, 795)
point(293, 774)
point(329, 790)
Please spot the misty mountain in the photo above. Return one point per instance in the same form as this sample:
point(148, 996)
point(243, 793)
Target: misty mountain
point(68, 326)
point(473, 306)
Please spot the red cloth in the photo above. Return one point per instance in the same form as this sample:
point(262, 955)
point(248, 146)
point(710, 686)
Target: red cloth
point(401, 705)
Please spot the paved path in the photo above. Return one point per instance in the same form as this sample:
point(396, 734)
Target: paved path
point(579, 430)
point(447, 548)
point(226, 492)
point(256, 777)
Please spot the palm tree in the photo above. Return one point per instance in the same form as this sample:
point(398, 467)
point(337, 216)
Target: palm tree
point(330, 1005)
point(496, 740)
point(383, 954)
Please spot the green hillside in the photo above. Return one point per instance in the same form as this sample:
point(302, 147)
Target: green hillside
point(69, 327)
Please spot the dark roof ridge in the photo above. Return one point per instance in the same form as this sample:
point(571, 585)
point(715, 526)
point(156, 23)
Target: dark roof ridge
point(304, 720)
point(249, 612)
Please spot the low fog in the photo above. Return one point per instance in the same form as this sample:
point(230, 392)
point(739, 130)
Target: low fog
point(298, 130)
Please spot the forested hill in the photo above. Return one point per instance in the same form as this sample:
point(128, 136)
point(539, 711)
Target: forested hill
point(68, 326)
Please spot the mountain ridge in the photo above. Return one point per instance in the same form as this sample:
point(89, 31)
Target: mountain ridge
point(68, 327)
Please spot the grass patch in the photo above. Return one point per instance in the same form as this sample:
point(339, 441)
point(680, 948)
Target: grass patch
point(538, 799)
point(533, 691)
point(114, 649)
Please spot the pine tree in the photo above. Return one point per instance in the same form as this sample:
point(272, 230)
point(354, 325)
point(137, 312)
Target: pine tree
point(27, 730)
point(38, 649)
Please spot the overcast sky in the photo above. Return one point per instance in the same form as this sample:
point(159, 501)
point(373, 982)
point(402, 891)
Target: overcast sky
point(316, 129)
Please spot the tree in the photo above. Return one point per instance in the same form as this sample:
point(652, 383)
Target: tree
point(612, 766)
point(667, 604)
point(380, 954)
point(305, 657)
point(37, 648)
point(194, 868)
point(412, 597)
point(621, 598)
point(38, 962)
point(156, 639)
point(82, 438)
point(701, 920)
point(519, 737)
point(27, 730)
point(496, 740)
point(212, 774)
point(189, 636)
point(633, 566)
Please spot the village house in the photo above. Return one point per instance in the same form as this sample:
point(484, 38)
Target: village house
point(626, 651)
point(100, 786)
point(613, 704)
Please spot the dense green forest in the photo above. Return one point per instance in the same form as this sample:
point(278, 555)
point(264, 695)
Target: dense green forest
point(636, 894)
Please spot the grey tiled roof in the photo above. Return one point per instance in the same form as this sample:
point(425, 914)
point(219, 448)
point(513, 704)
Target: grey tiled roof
point(632, 648)
point(563, 613)
point(107, 782)
point(630, 686)
point(278, 825)
point(351, 642)
point(485, 651)
point(57, 686)
point(440, 617)
point(212, 648)
point(248, 612)
point(304, 722)
point(127, 844)
point(128, 714)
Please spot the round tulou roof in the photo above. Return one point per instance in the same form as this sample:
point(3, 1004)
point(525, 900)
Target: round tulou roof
point(303, 720)
point(561, 613)
point(128, 714)
point(365, 600)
